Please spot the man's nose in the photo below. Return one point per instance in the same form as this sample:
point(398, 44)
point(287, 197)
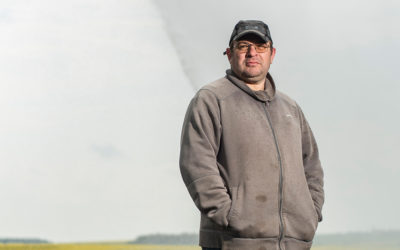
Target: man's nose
point(251, 50)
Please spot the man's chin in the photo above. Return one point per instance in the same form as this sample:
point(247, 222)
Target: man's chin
point(252, 78)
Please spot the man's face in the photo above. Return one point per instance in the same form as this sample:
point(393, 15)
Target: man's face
point(251, 66)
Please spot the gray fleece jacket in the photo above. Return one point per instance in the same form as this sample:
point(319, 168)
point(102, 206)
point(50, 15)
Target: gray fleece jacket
point(251, 165)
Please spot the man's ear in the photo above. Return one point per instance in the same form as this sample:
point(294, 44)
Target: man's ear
point(273, 53)
point(228, 53)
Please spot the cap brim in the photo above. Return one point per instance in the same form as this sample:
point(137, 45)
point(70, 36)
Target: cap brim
point(246, 32)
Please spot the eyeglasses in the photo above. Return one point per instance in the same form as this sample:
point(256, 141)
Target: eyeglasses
point(243, 47)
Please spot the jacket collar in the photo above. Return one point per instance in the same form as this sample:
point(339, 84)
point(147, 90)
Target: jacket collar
point(262, 95)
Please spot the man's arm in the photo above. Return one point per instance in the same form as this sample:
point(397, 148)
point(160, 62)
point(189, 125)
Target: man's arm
point(200, 140)
point(312, 165)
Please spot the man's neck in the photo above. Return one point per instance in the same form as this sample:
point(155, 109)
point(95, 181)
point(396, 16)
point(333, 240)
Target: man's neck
point(256, 86)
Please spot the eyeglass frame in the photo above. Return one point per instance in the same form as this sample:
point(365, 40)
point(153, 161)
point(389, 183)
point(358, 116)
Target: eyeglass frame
point(234, 45)
point(257, 46)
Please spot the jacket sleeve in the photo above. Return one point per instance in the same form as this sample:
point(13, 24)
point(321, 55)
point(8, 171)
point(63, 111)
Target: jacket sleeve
point(312, 165)
point(200, 140)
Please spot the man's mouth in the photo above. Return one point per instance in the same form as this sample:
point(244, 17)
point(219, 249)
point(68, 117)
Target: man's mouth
point(251, 63)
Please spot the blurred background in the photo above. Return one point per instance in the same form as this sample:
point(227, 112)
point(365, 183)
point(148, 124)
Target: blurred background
point(93, 95)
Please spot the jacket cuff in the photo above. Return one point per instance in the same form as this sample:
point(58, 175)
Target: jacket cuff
point(319, 214)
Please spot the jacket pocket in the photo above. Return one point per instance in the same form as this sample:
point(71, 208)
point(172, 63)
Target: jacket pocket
point(253, 213)
point(300, 217)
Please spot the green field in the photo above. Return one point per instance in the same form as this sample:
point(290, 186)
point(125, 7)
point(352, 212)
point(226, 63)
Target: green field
point(151, 247)
point(93, 247)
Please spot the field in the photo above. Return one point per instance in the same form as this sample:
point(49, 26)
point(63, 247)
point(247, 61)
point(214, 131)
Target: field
point(150, 247)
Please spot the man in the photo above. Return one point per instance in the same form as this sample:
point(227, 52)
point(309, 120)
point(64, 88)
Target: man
point(248, 156)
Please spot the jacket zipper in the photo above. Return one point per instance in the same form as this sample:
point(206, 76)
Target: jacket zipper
point(280, 174)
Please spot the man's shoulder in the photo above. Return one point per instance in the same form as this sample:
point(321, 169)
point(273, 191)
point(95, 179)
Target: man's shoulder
point(282, 97)
point(221, 88)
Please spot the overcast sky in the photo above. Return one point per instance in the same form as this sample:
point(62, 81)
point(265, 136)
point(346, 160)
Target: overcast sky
point(93, 94)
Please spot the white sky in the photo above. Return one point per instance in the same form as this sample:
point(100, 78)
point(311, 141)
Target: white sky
point(93, 94)
point(92, 100)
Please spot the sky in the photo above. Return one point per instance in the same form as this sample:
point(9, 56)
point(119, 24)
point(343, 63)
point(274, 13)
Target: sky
point(93, 95)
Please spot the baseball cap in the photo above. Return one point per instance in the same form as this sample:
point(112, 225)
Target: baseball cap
point(256, 27)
